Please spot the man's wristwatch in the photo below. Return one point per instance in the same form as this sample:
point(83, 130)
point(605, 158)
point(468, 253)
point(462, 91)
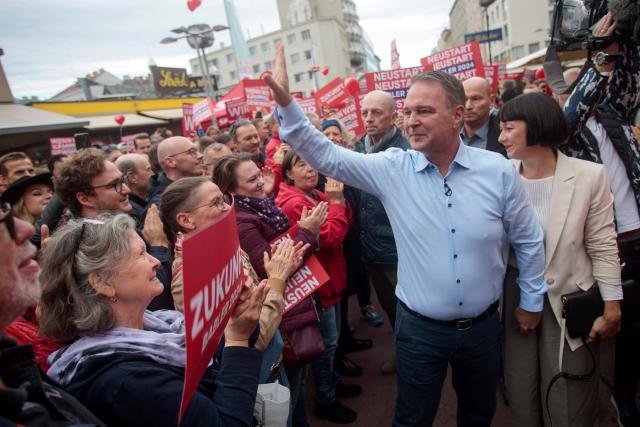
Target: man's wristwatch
point(602, 58)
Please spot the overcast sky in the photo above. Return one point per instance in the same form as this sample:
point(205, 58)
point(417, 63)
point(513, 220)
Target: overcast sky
point(49, 43)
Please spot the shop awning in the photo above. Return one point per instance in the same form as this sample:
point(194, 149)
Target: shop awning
point(169, 114)
point(16, 118)
point(130, 120)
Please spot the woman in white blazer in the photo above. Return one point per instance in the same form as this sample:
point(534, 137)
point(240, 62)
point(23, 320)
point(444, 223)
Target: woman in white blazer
point(574, 205)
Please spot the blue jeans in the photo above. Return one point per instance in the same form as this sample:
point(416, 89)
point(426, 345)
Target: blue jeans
point(424, 349)
point(323, 369)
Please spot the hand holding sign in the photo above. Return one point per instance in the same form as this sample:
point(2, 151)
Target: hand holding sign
point(244, 318)
point(313, 220)
point(277, 79)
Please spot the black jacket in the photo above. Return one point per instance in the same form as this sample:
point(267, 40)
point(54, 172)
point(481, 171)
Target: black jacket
point(376, 236)
point(158, 184)
point(28, 399)
point(127, 390)
point(493, 134)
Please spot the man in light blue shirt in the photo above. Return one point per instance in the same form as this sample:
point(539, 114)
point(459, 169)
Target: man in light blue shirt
point(453, 209)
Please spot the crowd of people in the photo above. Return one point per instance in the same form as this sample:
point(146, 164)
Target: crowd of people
point(470, 216)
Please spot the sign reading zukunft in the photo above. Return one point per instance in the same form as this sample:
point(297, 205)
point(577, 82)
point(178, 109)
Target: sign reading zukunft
point(176, 80)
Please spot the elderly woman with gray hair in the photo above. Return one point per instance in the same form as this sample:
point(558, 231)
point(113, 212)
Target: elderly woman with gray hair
point(125, 363)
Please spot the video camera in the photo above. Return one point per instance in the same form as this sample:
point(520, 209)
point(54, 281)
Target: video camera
point(574, 19)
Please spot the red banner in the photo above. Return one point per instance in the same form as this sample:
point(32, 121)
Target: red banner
point(258, 95)
point(62, 145)
point(502, 71)
point(237, 109)
point(349, 114)
point(187, 120)
point(306, 280)
point(308, 105)
point(127, 140)
point(462, 61)
point(202, 110)
point(213, 280)
point(491, 74)
point(396, 82)
point(332, 94)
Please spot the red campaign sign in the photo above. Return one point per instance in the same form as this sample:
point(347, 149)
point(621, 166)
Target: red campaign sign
point(187, 120)
point(306, 280)
point(502, 71)
point(462, 61)
point(491, 74)
point(308, 105)
point(332, 94)
point(62, 145)
point(127, 140)
point(514, 76)
point(396, 82)
point(237, 109)
point(202, 111)
point(257, 94)
point(213, 280)
point(528, 75)
point(350, 116)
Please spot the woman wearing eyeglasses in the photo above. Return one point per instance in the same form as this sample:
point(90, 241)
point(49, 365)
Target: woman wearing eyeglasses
point(126, 364)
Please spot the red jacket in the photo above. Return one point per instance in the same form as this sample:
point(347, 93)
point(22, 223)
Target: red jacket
point(272, 146)
point(330, 254)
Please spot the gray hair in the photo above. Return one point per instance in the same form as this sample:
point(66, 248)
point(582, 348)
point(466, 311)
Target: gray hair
point(70, 306)
point(216, 146)
point(453, 89)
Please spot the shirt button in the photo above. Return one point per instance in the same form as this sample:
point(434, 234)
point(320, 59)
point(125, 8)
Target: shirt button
point(449, 205)
point(550, 281)
point(458, 281)
point(460, 303)
point(453, 230)
point(455, 256)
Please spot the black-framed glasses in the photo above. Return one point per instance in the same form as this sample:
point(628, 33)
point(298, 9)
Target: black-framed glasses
point(218, 203)
point(7, 218)
point(115, 185)
point(193, 152)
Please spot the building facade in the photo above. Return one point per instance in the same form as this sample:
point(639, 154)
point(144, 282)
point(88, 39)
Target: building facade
point(524, 24)
point(314, 33)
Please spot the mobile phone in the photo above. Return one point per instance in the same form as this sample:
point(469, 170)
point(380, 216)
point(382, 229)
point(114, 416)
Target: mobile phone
point(82, 140)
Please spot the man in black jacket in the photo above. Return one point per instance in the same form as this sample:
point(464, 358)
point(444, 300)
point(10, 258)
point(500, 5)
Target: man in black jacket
point(25, 396)
point(481, 127)
point(137, 169)
point(376, 237)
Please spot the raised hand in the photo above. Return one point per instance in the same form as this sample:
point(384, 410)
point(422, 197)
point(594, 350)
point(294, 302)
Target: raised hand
point(282, 261)
point(313, 220)
point(334, 190)
point(244, 318)
point(282, 151)
point(153, 230)
point(269, 178)
point(277, 79)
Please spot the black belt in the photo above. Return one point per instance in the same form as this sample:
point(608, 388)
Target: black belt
point(459, 324)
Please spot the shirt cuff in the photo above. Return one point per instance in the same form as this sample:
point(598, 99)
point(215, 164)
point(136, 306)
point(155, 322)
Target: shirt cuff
point(531, 302)
point(610, 290)
point(290, 115)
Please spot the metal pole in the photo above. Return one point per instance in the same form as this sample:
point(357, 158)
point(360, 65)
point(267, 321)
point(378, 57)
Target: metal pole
point(204, 68)
point(314, 82)
point(486, 15)
point(207, 76)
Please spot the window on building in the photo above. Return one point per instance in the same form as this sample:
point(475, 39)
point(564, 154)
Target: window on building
point(306, 35)
point(298, 77)
point(196, 69)
point(214, 62)
point(307, 54)
point(310, 73)
point(277, 41)
point(264, 46)
point(267, 65)
point(229, 57)
point(534, 47)
point(256, 68)
point(232, 74)
point(295, 58)
point(291, 38)
point(504, 9)
point(252, 50)
point(517, 52)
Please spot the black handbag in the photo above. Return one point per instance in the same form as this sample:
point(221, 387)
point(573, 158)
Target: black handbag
point(582, 308)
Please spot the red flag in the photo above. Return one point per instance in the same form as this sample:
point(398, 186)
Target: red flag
point(395, 56)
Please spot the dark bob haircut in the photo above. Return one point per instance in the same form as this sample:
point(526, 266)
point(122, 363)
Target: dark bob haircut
point(543, 116)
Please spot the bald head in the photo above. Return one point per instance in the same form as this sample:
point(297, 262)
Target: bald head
point(478, 101)
point(179, 157)
point(137, 169)
point(378, 113)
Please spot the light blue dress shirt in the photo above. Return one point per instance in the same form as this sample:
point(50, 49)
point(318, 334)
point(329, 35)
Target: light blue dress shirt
point(452, 233)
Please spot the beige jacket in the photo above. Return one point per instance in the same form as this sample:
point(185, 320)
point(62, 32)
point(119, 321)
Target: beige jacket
point(272, 308)
point(580, 237)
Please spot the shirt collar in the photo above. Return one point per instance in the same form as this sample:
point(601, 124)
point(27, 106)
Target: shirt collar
point(462, 158)
point(480, 133)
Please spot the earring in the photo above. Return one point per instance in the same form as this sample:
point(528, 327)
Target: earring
point(114, 299)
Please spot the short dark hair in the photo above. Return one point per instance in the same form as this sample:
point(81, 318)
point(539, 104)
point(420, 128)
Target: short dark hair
point(54, 160)
point(223, 138)
point(205, 141)
point(289, 161)
point(224, 172)
point(546, 124)
point(140, 136)
point(153, 158)
point(233, 131)
point(453, 89)
point(11, 157)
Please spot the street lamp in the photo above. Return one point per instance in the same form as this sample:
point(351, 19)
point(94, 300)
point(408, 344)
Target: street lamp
point(199, 37)
point(485, 4)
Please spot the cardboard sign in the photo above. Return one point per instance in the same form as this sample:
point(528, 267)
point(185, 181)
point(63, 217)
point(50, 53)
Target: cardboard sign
point(332, 95)
point(202, 111)
point(350, 116)
point(396, 82)
point(306, 280)
point(491, 74)
point(127, 140)
point(502, 71)
point(308, 105)
point(187, 120)
point(462, 61)
point(213, 280)
point(238, 109)
point(62, 145)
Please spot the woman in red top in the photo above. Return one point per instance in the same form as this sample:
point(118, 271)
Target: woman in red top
point(297, 193)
